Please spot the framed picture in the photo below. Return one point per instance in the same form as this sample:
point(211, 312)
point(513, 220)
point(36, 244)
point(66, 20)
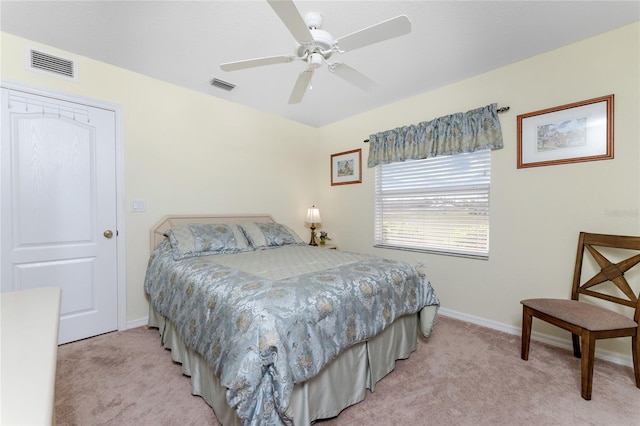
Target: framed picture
point(346, 167)
point(581, 131)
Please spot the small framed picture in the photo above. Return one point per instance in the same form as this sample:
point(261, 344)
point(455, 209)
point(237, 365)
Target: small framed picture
point(346, 167)
point(581, 131)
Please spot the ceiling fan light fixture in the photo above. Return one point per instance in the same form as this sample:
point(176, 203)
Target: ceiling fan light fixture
point(315, 60)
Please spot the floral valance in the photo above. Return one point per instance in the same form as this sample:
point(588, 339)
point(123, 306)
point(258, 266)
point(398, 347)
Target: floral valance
point(469, 131)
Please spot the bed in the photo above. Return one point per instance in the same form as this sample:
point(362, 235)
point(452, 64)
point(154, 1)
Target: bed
point(272, 330)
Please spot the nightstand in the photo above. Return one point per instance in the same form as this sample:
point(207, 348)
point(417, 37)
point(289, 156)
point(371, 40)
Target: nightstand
point(328, 246)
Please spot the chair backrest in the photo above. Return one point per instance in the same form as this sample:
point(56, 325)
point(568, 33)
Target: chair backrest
point(609, 271)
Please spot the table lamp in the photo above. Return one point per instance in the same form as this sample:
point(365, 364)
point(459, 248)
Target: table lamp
point(313, 217)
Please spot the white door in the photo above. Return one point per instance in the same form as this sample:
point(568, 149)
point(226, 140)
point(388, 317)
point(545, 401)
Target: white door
point(58, 209)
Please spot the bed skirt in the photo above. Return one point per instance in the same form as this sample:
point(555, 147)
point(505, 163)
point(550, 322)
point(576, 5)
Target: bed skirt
point(339, 385)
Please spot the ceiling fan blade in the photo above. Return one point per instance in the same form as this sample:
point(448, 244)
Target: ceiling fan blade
point(289, 15)
point(394, 27)
point(302, 83)
point(353, 76)
point(256, 62)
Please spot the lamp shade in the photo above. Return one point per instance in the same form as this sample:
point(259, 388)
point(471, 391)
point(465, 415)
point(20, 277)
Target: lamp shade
point(313, 215)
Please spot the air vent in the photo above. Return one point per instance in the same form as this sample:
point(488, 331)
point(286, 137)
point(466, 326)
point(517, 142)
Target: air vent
point(221, 84)
point(41, 61)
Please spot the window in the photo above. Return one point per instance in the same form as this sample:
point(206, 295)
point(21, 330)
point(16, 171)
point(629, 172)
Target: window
point(439, 204)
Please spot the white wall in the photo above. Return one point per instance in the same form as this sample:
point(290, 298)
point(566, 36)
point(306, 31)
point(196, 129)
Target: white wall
point(190, 153)
point(536, 213)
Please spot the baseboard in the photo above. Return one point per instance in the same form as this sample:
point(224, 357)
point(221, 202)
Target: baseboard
point(539, 337)
point(141, 322)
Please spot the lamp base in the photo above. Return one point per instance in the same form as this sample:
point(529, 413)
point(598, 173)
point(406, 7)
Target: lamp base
point(312, 242)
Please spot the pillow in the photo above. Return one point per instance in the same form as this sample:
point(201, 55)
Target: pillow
point(267, 235)
point(202, 239)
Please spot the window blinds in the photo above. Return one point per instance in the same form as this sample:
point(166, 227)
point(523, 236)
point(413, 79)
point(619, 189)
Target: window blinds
point(438, 204)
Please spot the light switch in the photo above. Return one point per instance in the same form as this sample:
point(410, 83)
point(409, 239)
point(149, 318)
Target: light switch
point(138, 206)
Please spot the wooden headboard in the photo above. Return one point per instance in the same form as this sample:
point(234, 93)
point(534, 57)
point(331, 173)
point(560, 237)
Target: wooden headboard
point(171, 221)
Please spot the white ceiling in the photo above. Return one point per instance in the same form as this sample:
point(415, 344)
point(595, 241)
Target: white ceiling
point(184, 42)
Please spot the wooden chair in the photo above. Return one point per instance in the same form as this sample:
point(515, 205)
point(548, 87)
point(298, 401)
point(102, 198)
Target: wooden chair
point(586, 321)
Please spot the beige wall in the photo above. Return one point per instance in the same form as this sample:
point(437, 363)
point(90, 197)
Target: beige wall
point(186, 152)
point(177, 139)
point(536, 213)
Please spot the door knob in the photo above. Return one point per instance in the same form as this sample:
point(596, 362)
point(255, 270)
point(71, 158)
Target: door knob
point(108, 233)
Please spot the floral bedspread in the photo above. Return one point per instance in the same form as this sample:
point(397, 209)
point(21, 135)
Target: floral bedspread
point(261, 336)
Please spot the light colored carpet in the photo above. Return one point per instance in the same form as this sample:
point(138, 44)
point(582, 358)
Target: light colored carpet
point(463, 374)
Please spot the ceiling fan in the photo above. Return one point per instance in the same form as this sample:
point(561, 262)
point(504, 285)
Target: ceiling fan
point(316, 46)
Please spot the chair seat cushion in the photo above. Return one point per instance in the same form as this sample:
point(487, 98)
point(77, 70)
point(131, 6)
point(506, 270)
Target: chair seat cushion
point(582, 314)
